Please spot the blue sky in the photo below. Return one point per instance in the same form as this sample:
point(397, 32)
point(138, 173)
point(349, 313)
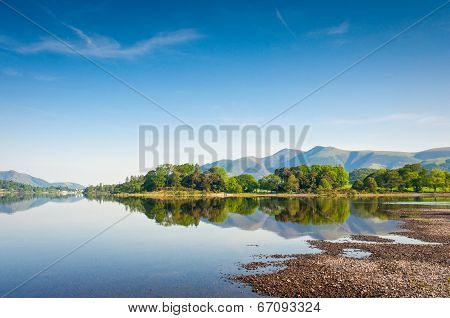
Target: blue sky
point(215, 62)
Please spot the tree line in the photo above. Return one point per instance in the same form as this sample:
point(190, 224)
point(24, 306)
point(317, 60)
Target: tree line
point(11, 186)
point(216, 179)
point(412, 177)
point(300, 179)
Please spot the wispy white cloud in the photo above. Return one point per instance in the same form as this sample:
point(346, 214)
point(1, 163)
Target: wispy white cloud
point(339, 42)
point(94, 45)
point(284, 23)
point(11, 72)
point(82, 36)
point(398, 117)
point(36, 76)
point(45, 78)
point(340, 29)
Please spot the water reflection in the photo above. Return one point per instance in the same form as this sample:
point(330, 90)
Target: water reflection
point(308, 211)
point(320, 218)
point(13, 203)
point(314, 211)
point(167, 248)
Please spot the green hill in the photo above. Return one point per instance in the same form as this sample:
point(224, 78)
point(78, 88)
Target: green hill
point(26, 179)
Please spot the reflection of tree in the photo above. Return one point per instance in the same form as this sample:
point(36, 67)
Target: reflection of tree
point(372, 207)
point(377, 207)
point(245, 206)
point(20, 197)
point(308, 211)
point(367, 208)
point(188, 212)
point(10, 199)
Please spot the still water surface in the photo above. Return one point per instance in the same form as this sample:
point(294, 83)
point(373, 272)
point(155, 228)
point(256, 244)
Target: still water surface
point(164, 248)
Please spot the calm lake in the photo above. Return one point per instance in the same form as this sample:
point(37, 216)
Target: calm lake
point(132, 247)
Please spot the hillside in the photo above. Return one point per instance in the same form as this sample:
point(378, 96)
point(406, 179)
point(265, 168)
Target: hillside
point(36, 182)
point(319, 155)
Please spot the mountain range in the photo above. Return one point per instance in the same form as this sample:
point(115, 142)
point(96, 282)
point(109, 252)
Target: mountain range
point(259, 167)
point(349, 159)
point(36, 182)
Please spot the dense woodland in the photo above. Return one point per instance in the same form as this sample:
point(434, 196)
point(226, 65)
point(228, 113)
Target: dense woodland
point(412, 177)
point(300, 179)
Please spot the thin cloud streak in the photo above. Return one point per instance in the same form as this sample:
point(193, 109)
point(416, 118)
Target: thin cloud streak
point(39, 77)
point(400, 117)
point(102, 46)
point(340, 29)
point(11, 72)
point(45, 78)
point(284, 23)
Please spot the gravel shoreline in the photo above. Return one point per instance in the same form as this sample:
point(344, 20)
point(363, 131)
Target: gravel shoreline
point(391, 270)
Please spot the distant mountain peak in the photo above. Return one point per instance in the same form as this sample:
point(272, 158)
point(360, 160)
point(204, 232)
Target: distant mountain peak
point(437, 149)
point(12, 175)
point(321, 155)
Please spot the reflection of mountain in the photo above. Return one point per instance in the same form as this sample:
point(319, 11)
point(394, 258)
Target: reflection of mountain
point(15, 203)
point(321, 218)
point(289, 230)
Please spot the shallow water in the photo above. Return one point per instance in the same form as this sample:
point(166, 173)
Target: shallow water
point(423, 203)
point(355, 253)
point(419, 202)
point(182, 248)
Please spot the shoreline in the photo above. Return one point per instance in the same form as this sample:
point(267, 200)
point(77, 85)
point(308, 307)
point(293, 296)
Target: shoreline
point(39, 193)
point(198, 194)
point(391, 270)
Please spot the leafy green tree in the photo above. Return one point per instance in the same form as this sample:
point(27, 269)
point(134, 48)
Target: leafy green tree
point(358, 185)
point(233, 185)
point(409, 178)
point(360, 174)
point(302, 173)
point(270, 183)
point(213, 180)
point(336, 176)
point(158, 178)
point(175, 179)
point(220, 171)
point(283, 173)
point(341, 177)
point(247, 182)
point(292, 184)
point(393, 179)
point(370, 184)
point(325, 184)
point(192, 179)
point(380, 177)
point(437, 179)
point(186, 169)
point(447, 179)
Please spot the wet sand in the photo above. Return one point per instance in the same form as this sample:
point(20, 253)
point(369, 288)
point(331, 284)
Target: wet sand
point(391, 270)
